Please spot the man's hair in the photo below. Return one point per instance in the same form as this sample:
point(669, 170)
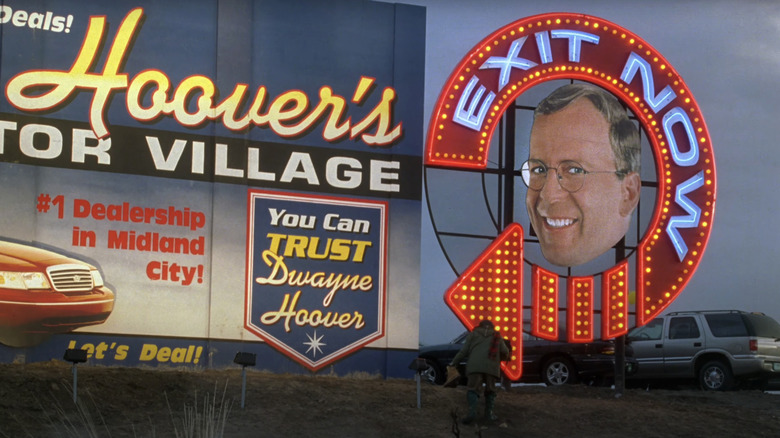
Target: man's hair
point(623, 134)
point(486, 324)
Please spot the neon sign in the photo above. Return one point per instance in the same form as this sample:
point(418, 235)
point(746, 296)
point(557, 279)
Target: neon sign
point(486, 82)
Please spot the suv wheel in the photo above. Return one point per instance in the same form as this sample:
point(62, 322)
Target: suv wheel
point(715, 376)
point(433, 373)
point(558, 371)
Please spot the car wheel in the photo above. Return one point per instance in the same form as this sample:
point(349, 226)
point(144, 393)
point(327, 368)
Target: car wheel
point(558, 371)
point(715, 376)
point(433, 373)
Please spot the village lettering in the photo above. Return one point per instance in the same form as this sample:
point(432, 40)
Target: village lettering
point(287, 115)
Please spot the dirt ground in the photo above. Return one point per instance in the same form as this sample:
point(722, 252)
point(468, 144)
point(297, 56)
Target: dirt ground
point(36, 401)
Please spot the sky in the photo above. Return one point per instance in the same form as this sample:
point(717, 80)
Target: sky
point(727, 54)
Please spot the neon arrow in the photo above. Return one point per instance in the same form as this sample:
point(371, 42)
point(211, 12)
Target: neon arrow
point(491, 288)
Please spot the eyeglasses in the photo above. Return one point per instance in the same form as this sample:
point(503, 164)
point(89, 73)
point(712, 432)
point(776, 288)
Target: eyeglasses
point(570, 174)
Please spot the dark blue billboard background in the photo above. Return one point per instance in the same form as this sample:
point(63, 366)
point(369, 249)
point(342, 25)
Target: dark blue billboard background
point(185, 107)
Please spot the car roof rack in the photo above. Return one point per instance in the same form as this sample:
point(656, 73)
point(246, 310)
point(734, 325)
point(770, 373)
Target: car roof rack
point(684, 312)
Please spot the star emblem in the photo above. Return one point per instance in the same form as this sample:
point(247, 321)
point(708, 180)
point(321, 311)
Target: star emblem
point(314, 344)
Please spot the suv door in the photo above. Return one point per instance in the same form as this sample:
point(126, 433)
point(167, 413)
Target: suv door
point(648, 348)
point(684, 340)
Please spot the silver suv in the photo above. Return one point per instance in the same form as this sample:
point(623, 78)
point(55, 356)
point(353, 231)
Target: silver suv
point(719, 348)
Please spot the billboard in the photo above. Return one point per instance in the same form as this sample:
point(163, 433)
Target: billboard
point(215, 177)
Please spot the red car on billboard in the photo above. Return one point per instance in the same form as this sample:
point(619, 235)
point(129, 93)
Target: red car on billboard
point(43, 292)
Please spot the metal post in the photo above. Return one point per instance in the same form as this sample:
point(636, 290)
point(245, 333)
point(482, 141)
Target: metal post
point(419, 365)
point(620, 341)
point(243, 386)
point(508, 166)
point(74, 356)
point(75, 383)
point(620, 365)
point(245, 360)
point(418, 378)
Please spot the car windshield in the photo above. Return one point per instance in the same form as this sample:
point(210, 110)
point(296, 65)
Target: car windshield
point(652, 330)
point(527, 336)
point(461, 338)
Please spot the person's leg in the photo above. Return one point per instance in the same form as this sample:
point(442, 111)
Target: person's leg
point(490, 397)
point(473, 387)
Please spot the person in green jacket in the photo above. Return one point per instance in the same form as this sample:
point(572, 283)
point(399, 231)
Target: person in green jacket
point(484, 348)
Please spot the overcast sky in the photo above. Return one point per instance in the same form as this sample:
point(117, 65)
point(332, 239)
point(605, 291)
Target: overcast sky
point(727, 53)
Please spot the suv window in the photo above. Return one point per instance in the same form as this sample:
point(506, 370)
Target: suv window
point(683, 327)
point(650, 331)
point(726, 325)
point(762, 326)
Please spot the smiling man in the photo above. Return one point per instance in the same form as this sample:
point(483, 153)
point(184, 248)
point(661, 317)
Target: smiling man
point(582, 173)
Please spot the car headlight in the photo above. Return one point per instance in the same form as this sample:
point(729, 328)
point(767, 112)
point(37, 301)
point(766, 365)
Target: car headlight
point(23, 280)
point(97, 279)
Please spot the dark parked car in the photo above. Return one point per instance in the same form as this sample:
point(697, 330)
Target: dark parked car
point(550, 362)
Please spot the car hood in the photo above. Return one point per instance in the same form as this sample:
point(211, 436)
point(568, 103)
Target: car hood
point(440, 347)
point(14, 255)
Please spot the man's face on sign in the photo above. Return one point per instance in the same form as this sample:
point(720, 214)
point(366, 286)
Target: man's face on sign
point(576, 227)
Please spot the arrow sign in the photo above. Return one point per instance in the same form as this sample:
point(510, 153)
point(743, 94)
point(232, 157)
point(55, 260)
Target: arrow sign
point(491, 288)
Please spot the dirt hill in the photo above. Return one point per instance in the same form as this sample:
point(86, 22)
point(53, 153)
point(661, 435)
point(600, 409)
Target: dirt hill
point(36, 401)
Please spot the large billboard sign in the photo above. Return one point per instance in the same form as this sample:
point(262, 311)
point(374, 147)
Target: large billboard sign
point(183, 180)
point(576, 134)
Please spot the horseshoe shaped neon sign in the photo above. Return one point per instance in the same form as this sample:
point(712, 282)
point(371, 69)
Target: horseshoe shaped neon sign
point(553, 46)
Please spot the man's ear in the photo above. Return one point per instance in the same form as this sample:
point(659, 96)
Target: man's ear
point(631, 187)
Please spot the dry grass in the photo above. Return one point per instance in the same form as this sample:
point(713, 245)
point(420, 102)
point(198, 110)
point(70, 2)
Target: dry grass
point(135, 403)
point(208, 421)
point(84, 419)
